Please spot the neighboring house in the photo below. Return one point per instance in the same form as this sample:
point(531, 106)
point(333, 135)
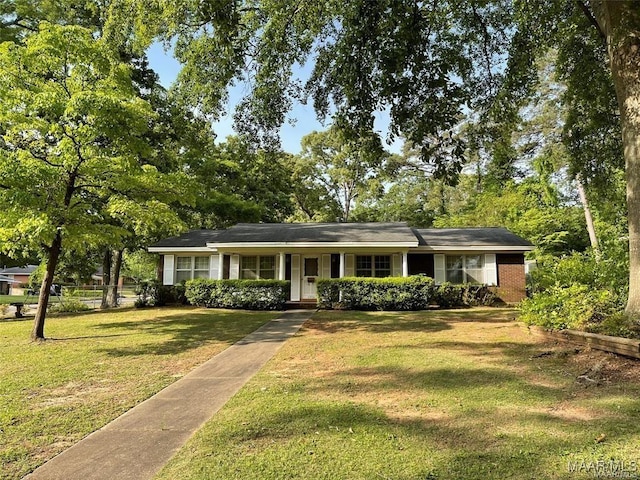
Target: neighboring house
point(304, 252)
point(12, 279)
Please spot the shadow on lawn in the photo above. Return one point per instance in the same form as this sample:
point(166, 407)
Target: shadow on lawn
point(332, 321)
point(522, 434)
point(377, 324)
point(468, 444)
point(179, 333)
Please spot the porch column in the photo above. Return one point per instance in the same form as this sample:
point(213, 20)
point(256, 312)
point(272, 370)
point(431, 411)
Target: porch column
point(405, 265)
point(342, 264)
point(220, 266)
point(283, 267)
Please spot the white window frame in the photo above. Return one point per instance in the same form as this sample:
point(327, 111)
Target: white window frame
point(372, 259)
point(192, 267)
point(465, 274)
point(258, 269)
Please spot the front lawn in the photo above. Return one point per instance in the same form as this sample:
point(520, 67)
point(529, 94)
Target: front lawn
point(7, 299)
point(95, 367)
point(462, 394)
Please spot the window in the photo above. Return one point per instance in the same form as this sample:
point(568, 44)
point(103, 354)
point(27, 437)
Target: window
point(382, 266)
point(310, 267)
point(201, 267)
point(267, 267)
point(188, 268)
point(249, 268)
point(363, 266)
point(465, 269)
point(474, 268)
point(373, 266)
point(255, 267)
point(455, 269)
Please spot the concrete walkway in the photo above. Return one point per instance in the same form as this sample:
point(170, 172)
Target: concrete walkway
point(139, 443)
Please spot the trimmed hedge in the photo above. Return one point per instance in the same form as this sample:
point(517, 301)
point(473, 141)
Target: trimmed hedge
point(156, 294)
point(398, 293)
point(245, 294)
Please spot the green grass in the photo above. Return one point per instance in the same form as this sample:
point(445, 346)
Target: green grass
point(7, 299)
point(93, 368)
point(464, 394)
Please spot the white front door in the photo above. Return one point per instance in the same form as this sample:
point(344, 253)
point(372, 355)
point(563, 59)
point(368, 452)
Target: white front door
point(310, 274)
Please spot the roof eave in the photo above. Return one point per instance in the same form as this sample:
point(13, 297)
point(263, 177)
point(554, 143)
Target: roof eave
point(178, 249)
point(311, 244)
point(492, 248)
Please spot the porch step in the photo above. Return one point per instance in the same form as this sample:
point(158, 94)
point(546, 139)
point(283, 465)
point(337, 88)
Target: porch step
point(312, 305)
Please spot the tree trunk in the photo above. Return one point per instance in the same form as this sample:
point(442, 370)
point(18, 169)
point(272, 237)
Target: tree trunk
point(112, 289)
point(106, 278)
point(593, 238)
point(45, 289)
point(619, 20)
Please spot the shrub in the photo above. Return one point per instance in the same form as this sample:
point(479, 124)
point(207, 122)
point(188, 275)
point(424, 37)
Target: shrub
point(169, 295)
point(580, 268)
point(154, 293)
point(397, 293)
point(245, 294)
point(68, 305)
point(577, 306)
point(392, 293)
point(145, 292)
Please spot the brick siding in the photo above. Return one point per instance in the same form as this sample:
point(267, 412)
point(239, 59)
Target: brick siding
point(511, 279)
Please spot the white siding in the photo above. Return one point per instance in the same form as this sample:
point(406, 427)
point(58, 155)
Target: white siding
point(490, 269)
point(349, 260)
point(440, 273)
point(295, 278)
point(326, 266)
point(396, 268)
point(234, 267)
point(167, 270)
point(213, 267)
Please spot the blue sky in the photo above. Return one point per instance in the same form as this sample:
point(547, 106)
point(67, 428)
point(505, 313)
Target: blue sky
point(303, 117)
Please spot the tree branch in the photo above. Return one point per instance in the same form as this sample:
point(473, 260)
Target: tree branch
point(585, 9)
point(17, 22)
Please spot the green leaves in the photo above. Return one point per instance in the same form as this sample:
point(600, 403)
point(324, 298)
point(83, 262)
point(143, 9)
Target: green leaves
point(72, 130)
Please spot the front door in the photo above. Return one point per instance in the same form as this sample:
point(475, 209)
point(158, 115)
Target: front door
point(310, 270)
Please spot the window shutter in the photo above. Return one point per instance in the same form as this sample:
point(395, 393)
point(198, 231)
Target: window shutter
point(349, 260)
point(213, 267)
point(295, 278)
point(396, 270)
point(490, 269)
point(326, 266)
point(167, 270)
point(440, 272)
point(234, 267)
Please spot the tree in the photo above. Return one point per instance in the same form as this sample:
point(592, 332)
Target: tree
point(339, 169)
point(313, 203)
point(71, 126)
point(528, 210)
point(140, 265)
point(236, 183)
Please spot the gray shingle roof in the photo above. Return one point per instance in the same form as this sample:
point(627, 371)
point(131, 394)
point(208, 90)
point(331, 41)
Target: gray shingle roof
point(193, 238)
point(26, 270)
point(469, 237)
point(318, 232)
point(367, 233)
